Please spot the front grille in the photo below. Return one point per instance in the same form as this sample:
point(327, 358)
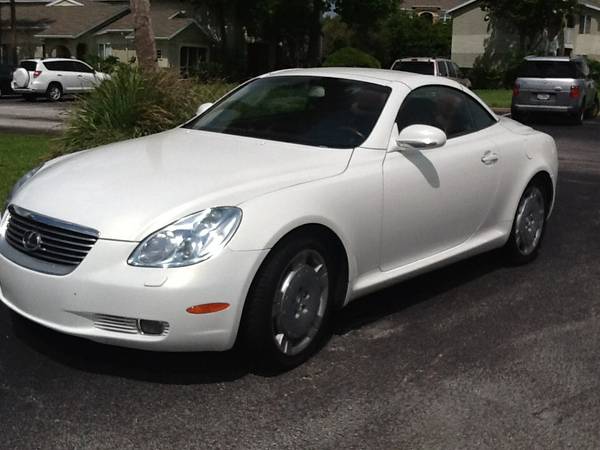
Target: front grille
point(48, 239)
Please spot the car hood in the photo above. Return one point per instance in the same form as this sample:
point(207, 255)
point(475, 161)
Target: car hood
point(130, 189)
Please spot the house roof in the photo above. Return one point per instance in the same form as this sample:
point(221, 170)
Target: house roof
point(68, 22)
point(168, 20)
point(442, 5)
point(592, 4)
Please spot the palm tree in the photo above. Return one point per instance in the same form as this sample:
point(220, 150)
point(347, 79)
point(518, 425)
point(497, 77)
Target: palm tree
point(145, 45)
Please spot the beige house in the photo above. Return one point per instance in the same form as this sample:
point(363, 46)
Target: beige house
point(471, 30)
point(84, 28)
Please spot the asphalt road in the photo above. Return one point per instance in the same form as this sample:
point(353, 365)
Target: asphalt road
point(41, 116)
point(477, 355)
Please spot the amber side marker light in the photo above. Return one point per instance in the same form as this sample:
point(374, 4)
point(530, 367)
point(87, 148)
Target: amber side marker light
point(207, 308)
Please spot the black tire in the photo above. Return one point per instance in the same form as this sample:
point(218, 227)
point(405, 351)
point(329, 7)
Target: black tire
point(580, 115)
point(515, 250)
point(29, 97)
point(516, 115)
point(54, 93)
point(258, 335)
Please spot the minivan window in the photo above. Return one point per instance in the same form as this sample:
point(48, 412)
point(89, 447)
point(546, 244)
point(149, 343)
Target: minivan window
point(421, 67)
point(29, 65)
point(548, 69)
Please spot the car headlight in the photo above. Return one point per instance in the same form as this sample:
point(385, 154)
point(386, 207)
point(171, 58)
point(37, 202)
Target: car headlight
point(188, 241)
point(18, 185)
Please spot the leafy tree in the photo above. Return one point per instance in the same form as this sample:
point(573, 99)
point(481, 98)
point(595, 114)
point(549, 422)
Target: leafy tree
point(533, 21)
point(403, 35)
point(351, 57)
point(336, 35)
point(364, 15)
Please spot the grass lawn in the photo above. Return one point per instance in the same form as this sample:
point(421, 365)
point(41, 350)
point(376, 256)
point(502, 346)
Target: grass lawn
point(496, 98)
point(19, 154)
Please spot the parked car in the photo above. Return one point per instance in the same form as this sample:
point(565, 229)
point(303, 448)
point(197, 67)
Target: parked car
point(54, 77)
point(5, 79)
point(432, 66)
point(297, 193)
point(555, 85)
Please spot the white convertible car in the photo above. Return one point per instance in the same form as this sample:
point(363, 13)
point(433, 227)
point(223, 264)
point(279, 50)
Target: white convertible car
point(295, 194)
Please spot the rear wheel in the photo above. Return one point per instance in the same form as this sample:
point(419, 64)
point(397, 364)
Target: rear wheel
point(54, 92)
point(529, 225)
point(287, 310)
point(579, 116)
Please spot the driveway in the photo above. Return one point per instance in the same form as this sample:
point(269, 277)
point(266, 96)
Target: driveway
point(477, 355)
point(41, 116)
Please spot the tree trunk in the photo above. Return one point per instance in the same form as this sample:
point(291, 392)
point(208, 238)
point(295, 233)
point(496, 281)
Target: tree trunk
point(314, 38)
point(145, 45)
point(13, 34)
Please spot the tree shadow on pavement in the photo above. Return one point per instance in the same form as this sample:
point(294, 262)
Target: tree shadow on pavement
point(213, 367)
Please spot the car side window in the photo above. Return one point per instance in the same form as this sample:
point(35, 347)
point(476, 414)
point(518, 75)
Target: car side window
point(443, 68)
point(80, 67)
point(459, 73)
point(51, 65)
point(445, 108)
point(452, 71)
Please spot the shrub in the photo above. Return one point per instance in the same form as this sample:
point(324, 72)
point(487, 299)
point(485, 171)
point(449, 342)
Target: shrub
point(133, 104)
point(595, 69)
point(351, 57)
point(107, 65)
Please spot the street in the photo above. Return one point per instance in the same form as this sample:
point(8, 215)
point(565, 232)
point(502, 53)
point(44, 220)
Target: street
point(475, 355)
point(41, 116)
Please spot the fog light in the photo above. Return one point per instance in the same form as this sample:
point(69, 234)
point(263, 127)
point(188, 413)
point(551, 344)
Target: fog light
point(152, 327)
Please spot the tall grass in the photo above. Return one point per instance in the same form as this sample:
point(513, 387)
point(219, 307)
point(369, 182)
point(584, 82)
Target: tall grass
point(133, 104)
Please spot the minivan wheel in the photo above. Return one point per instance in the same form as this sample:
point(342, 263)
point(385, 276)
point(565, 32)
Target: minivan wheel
point(54, 92)
point(528, 226)
point(579, 116)
point(287, 311)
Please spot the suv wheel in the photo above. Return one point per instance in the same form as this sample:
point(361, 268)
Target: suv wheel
point(54, 92)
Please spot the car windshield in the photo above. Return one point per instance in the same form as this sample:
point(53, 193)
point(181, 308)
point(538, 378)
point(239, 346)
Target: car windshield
point(548, 69)
point(317, 111)
point(422, 67)
point(29, 65)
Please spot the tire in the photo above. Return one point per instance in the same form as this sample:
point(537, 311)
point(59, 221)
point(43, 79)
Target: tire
point(529, 225)
point(54, 93)
point(580, 115)
point(287, 311)
point(516, 115)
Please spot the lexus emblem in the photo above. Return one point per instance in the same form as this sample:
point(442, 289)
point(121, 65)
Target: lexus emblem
point(32, 241)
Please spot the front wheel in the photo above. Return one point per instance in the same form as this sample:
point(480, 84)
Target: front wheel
point(528, 227)
point(287, 310)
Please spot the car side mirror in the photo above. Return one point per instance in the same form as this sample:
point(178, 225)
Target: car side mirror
point(203, 107)
point(420, 137)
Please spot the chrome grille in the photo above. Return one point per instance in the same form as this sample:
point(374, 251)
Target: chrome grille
point(48, 239)
point(116, 323)
point(119, 324)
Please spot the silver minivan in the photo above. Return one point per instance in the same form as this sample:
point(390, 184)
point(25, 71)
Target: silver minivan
point(555, 84)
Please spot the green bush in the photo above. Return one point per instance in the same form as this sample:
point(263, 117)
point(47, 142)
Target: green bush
point(133, 104)
point(351, 57)
point(107, 65)
point(595, 69)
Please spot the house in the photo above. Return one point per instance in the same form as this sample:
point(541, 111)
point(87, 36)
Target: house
point(84, 28)
point(433, 10)
point(471, 29)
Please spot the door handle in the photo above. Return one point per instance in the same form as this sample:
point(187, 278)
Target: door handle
point(489, 158)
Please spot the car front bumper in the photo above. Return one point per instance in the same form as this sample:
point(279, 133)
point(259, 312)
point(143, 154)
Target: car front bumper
point(105, 289)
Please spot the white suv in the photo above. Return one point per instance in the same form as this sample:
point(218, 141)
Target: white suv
point(54, 77)
point(438, 67)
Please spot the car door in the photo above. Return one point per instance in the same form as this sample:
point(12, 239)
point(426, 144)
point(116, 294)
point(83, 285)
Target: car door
point(85, 76)
point(60, 71)
point(436, 199)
